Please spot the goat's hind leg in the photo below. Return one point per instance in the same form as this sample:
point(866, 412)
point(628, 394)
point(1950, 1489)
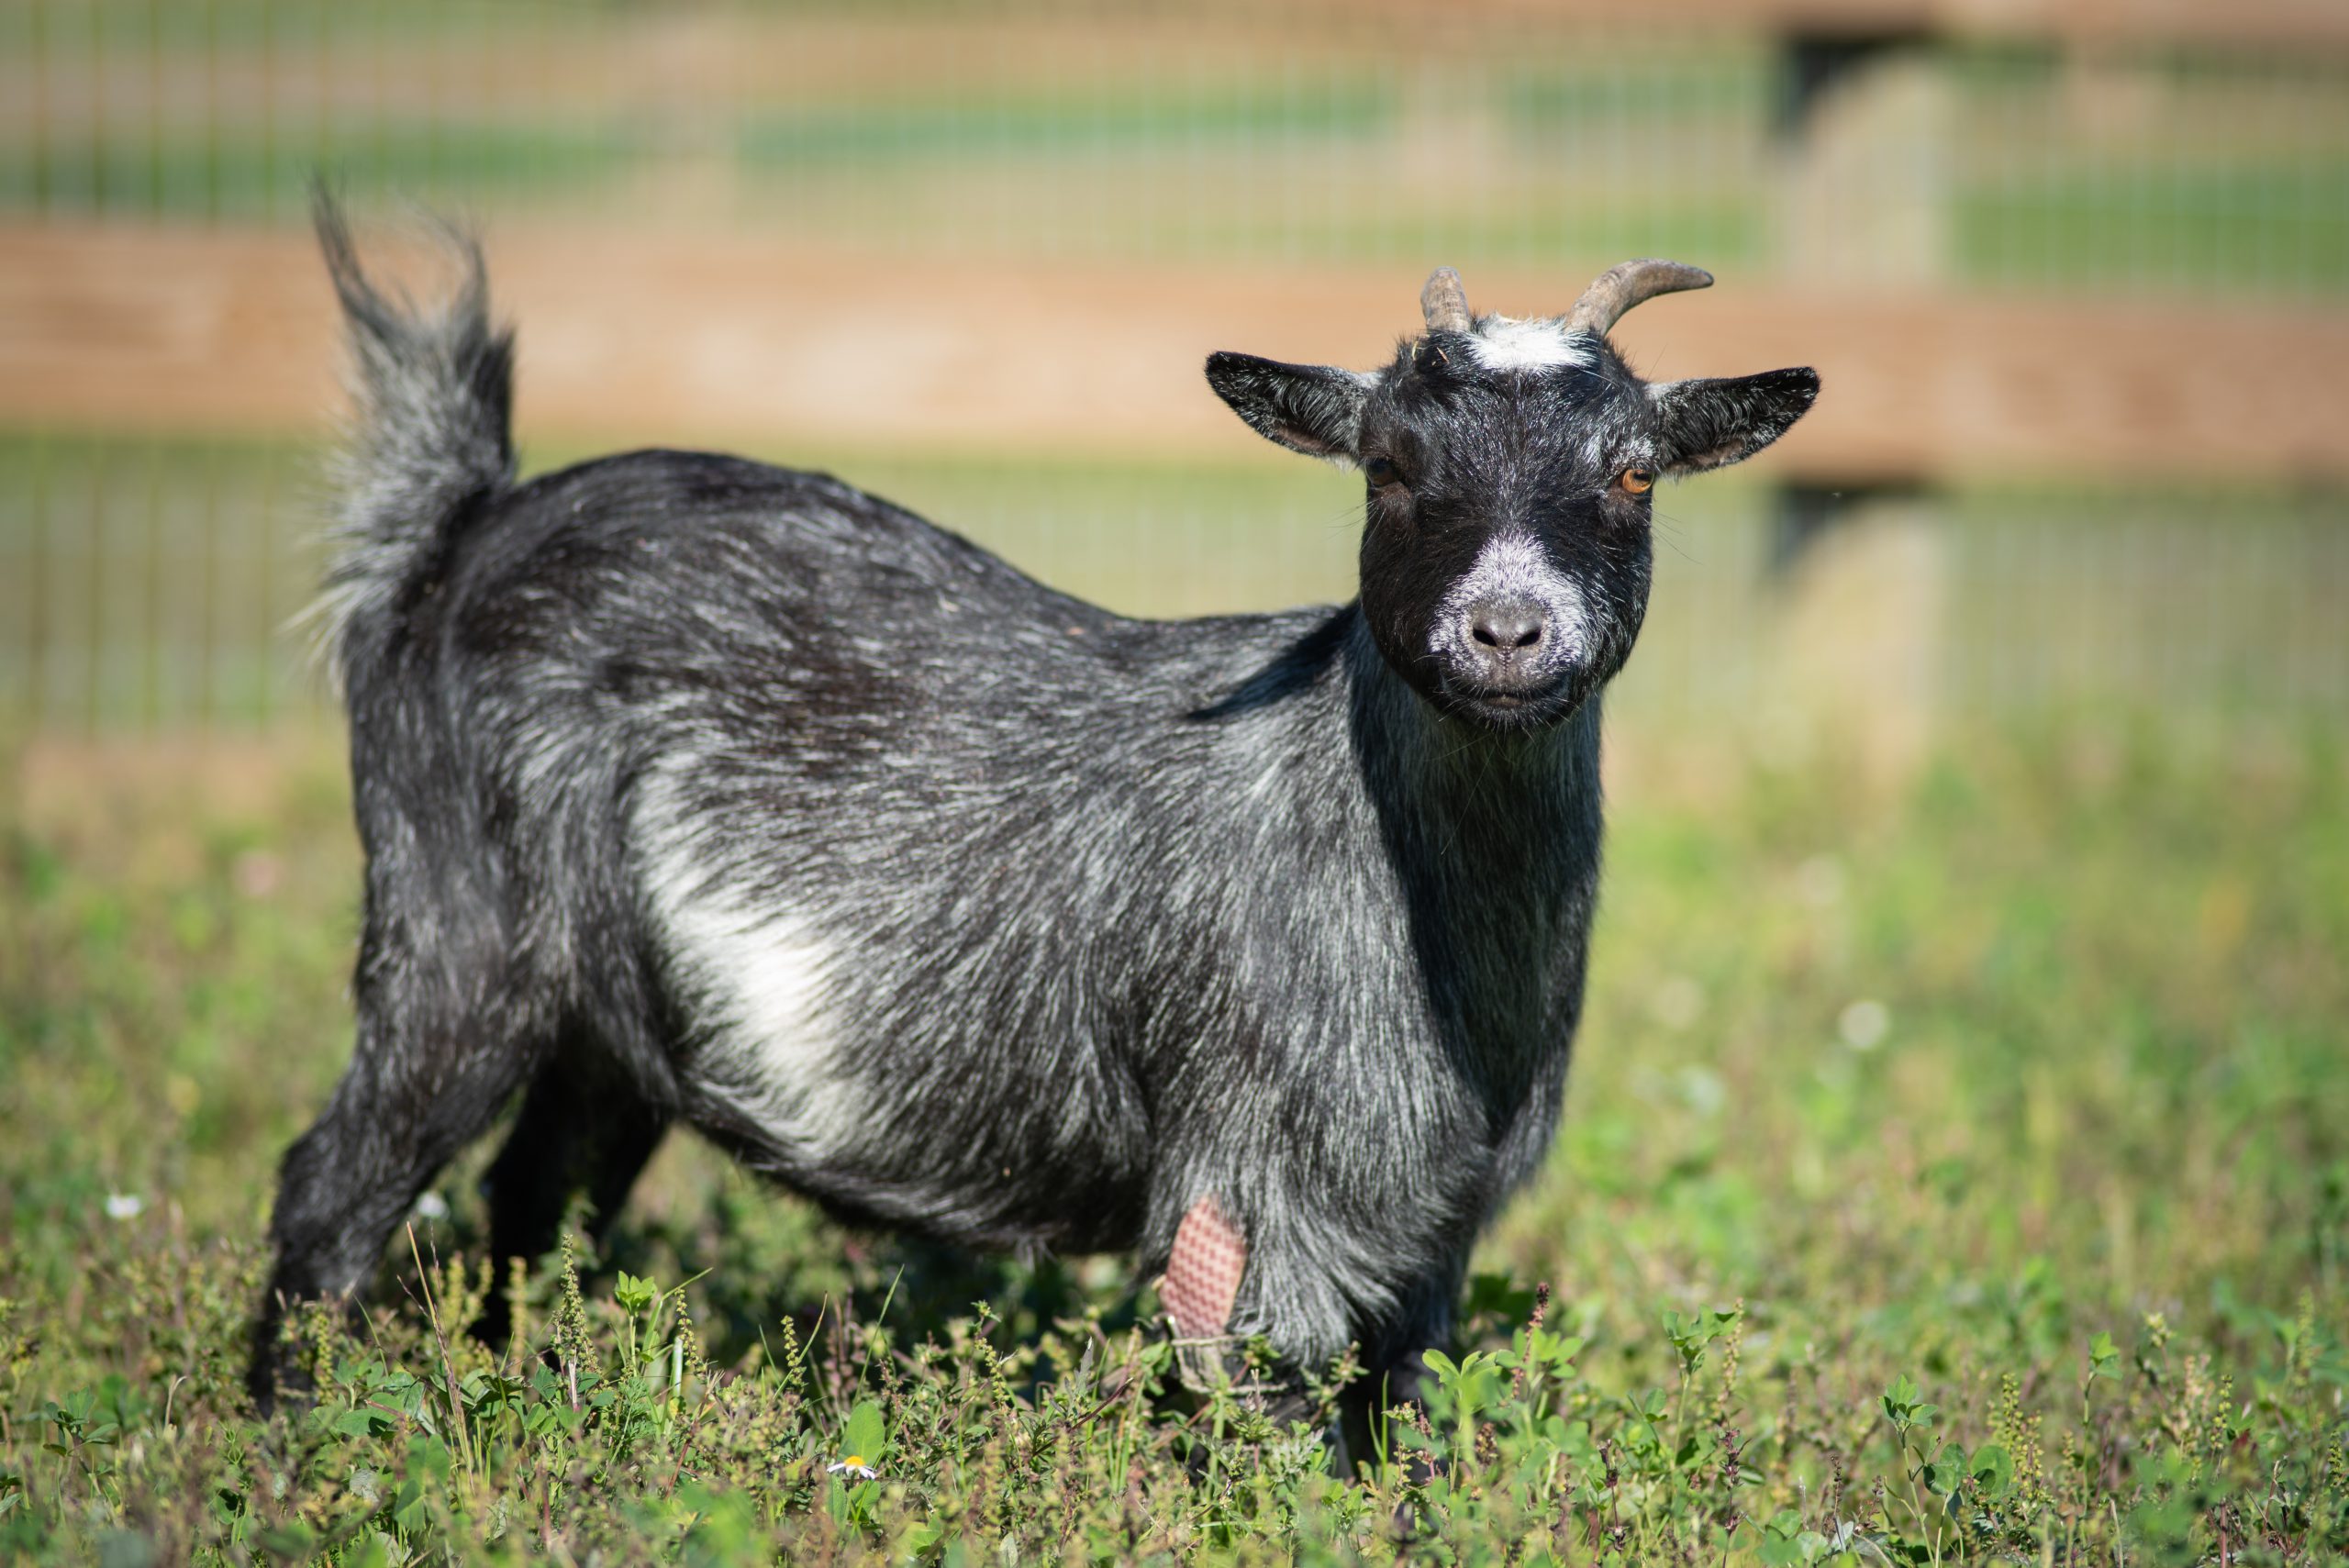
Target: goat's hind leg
point(423, 1083)
point(586, 1128)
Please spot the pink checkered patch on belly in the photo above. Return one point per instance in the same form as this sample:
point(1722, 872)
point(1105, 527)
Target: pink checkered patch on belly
point(1203, 1272)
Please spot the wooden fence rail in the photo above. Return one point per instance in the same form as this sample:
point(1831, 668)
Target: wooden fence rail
point(715, 340)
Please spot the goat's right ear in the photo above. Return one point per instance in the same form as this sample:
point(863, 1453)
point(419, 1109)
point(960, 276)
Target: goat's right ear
point(1313, 409)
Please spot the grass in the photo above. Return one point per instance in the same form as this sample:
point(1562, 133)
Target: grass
point(1959, 1172)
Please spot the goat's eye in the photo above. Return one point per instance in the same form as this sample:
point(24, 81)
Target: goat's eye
point(1381, 473)
point(1636, 481)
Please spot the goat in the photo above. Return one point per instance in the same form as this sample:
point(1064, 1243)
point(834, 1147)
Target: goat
point(694, 790)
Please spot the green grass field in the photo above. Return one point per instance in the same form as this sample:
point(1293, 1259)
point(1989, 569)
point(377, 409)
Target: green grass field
point(1956, 1174)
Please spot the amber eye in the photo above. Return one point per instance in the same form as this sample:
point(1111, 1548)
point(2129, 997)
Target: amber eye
point(1381, 473)
point(1637, 481)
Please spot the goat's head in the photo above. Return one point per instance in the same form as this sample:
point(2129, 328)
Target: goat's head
point(1505, 553)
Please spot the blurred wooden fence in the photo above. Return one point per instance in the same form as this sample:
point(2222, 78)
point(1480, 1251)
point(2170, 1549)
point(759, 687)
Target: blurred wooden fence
point(2094, 255)
point(702, 338)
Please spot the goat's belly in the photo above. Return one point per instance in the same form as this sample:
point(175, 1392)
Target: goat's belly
point(800, 1053)
point(966, 1156)
point(941, 1078)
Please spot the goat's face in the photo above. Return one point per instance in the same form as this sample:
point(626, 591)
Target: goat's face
point(1509, 467)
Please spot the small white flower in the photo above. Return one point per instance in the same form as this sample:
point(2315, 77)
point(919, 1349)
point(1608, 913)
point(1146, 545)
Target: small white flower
point(854, 1468)
point(431, 1205)
point(1864, 1025)
point(124, 1206)
point(364, 1484)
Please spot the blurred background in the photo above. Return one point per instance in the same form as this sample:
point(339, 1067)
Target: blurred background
point(2076, 276)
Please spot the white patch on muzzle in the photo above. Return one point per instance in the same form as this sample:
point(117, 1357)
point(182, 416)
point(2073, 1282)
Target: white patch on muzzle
point(1514, 566)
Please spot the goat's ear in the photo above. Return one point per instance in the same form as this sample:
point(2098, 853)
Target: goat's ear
point(1314, 409)
point(1707, 424)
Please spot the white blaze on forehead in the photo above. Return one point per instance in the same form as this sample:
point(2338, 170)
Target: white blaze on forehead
point(754, 978)
point(1507, 343)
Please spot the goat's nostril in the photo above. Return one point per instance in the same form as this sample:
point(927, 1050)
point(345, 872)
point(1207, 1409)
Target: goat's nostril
point(1508, 627)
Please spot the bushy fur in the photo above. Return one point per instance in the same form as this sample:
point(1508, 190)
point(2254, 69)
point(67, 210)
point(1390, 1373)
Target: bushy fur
point(429, 439)
point(698, 791)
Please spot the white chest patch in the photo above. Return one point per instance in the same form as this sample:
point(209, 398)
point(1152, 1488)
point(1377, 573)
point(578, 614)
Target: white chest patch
point(1507, 343)
point(757, 980)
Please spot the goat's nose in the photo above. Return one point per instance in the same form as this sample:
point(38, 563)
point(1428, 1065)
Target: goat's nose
point(1506, 626)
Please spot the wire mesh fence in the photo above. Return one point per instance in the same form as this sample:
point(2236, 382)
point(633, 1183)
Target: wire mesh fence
point(145, 582)
point(1262, 132)
point(158, 584)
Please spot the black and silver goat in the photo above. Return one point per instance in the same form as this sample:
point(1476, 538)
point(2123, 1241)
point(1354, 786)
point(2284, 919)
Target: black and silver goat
point(698, 791)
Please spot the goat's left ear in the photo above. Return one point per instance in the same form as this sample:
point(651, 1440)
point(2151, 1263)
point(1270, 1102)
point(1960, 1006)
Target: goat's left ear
point(1707, 424)
point(1313, 409)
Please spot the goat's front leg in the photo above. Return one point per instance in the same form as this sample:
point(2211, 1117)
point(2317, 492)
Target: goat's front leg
point(1395, 1371)
point(1223, 1286)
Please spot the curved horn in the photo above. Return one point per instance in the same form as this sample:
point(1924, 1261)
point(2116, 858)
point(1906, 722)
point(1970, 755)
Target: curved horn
point(1625, 284)
point(1445, 302)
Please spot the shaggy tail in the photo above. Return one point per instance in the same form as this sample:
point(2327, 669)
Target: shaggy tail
point(429, 442)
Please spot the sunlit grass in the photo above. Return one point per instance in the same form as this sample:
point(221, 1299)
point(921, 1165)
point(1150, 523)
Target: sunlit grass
point(2016, 1093)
